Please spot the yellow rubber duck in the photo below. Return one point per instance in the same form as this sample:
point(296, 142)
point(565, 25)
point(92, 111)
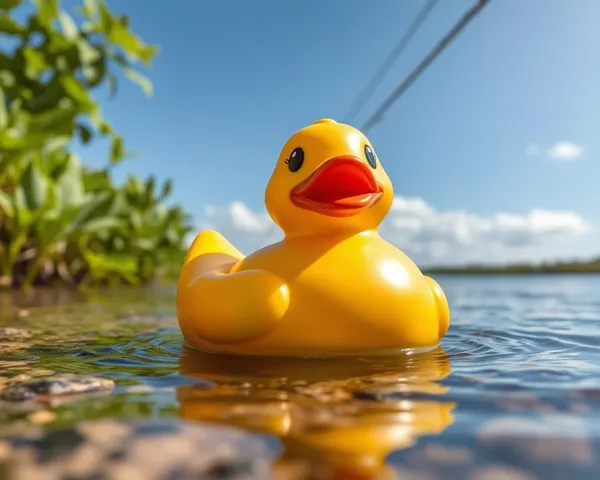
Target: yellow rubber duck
point(332, 286)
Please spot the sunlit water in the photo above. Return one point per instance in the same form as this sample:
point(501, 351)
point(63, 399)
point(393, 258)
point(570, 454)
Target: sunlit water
point(514, 391)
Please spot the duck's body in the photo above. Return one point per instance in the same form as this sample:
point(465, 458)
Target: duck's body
point(327, 289)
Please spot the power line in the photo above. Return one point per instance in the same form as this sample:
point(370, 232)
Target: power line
point(368, 91)
point(410, 79)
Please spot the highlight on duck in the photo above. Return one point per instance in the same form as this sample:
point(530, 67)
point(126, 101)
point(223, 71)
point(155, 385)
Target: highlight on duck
point(333, 286)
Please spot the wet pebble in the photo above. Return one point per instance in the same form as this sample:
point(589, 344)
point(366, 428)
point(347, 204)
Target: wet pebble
point(105, 432)
point(42, 417)
point(127, 451)
point(524, 403)
point(500, 472)
point(542, 439)
point(9, 332)
point(448, 455)
point(17, 393)
point(7, 348)
point(405, 474)
point(5, 451)
point(55, 385)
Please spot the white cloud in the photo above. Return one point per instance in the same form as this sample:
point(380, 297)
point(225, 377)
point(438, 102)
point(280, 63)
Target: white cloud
point(532, 150)
point(246, 229)
point(565, 151)
point(431, 236)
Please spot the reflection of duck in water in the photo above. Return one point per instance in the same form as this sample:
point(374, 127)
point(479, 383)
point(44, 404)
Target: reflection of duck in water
point(323, 416)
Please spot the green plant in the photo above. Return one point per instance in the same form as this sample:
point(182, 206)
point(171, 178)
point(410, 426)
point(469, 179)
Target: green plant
point(58, 219)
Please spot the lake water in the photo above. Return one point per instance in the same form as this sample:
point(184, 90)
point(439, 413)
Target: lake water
point(513, 392)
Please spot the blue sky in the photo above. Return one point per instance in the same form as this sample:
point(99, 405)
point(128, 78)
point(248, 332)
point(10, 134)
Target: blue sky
point(235, 79)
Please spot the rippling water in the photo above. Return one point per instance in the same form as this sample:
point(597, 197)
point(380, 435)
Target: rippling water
point(513, 392)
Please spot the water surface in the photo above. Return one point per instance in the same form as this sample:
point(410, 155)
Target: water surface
point(513, 392)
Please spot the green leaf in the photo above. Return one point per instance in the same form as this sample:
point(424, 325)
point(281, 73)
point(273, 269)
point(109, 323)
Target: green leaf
point(167, 188)
point(54, 144)
point(85, 134)
point(96, 180)
point(3, 111)
point(94, 66)
point(90, 8)
point(7, 5)
point(135, 193)
point(87, 53)
point(7, 79)
point(160, 213)
point(123, 20)
point(140, 80)
point(106, 19)
point(54, 121)
point(93, 74)
point(22, 215)
point(60, 47)
point(173, 236)
point(99, 206)
point(120, 35)
point(35, 62)
point(68, 26)
point(146, 53)
point(146, 244)
point(7, 204)
point(118, 243)
point(35, 186)
point(150, 185)
point(103, 126)
point(47, 11)
point(75, 90)
point(69, 187)
point(8, 26)
point(136, 220)
point(51, 227)
point(20, 199)
point(55, 164)
point(117, 151)
point(101, 224)
point(103, 264)
point(10, 139)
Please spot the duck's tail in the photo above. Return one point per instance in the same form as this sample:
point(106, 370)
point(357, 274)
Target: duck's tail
point(211, 242)
point(441, 303)
point(210, 252)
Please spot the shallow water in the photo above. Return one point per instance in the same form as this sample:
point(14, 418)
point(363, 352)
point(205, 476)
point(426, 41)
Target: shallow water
point(513, 392)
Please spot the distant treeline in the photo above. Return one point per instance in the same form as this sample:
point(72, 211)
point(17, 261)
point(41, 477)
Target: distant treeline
point(592, 266)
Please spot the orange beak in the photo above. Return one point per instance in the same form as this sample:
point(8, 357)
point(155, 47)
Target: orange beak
point(340, 187)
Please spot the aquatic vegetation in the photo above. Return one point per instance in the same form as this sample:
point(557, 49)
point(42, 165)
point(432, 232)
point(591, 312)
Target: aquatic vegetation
point(60, 220)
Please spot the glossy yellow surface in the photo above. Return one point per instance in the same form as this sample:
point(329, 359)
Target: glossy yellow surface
point(348, 437)
point(333, 286)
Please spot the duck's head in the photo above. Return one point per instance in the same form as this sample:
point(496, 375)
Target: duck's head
point(328, 179)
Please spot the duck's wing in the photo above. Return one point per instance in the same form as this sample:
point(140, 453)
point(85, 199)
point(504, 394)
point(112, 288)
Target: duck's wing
point(217, 306)
point(231, 308)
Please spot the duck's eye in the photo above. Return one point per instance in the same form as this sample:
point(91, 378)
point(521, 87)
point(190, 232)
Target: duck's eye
point(371, 158)
point(296, 160)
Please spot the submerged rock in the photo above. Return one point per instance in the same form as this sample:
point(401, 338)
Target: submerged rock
point(119, 450)
point(55, 385)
